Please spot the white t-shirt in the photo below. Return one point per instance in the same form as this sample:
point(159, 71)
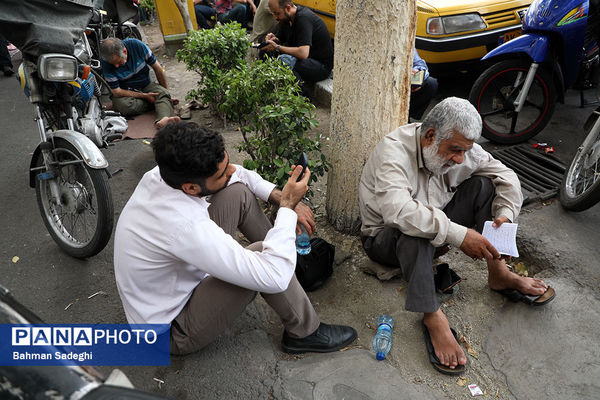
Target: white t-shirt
point(166, 244)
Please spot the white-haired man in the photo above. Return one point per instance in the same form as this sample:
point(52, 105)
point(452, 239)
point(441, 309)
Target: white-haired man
point(426, 185)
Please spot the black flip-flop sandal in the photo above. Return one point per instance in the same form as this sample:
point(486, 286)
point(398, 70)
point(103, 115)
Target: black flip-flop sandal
point(532, 300)
point(435, 361)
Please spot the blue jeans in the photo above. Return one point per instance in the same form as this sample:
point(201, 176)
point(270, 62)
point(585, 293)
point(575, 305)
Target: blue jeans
point(204, 13)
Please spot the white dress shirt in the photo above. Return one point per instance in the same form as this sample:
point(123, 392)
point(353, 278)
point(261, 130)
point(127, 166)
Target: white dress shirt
point(166, 244)
point(397, 190)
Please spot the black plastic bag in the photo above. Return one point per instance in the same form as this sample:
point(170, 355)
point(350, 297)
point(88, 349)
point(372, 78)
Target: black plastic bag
point(313, 269)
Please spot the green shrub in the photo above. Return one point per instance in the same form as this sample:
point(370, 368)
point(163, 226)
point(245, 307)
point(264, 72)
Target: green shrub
point(148, 5)
point(211, 53)
point(274, 120)
point(262, 98)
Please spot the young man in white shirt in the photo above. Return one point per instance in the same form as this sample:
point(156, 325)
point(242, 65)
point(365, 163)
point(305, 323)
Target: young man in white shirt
point(176, 260)
point(426, 185)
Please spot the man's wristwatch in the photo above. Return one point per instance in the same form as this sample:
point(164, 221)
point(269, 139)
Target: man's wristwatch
point(278, 49)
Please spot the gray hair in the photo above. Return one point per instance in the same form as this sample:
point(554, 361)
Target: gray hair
point(111, 48)
point(453, 115)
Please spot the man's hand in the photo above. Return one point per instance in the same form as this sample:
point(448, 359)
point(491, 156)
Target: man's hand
point(294, 191)
point(477, 247)
point(271, 36)
point(150, 97)
point(499, 221)
point(271, 46)
point(305, 217)
point(413, 87)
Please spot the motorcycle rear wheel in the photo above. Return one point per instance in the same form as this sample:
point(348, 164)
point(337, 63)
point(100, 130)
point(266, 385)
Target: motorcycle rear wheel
point(82, 224)
point(580, 187)
point(494, 92)
point(131, 32)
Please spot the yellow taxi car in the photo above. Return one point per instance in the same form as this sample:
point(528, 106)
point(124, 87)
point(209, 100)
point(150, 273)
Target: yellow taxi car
point(451, 31)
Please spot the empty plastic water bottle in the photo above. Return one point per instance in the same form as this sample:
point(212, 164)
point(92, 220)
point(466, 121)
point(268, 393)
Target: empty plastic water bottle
point(303, 242)
point(383, 338)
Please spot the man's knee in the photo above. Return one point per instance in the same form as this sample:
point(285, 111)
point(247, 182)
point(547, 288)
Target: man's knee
point(162, 93)
point(235, 193)
point(414, 249)
point(481, 184)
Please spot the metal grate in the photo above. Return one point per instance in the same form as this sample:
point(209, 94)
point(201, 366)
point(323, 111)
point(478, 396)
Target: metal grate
point(540, 174)
point(501, 18)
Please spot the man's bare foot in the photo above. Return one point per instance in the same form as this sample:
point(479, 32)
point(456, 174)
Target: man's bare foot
point(446, 347)
point(500, 277)
point(165, 120)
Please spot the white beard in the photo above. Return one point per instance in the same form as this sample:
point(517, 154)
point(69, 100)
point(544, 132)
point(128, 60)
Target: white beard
point(434, 162)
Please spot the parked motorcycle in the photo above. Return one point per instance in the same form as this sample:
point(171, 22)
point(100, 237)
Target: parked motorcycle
point(68, 170)
point(558, 49)
point(112, 18)
point(580, 187)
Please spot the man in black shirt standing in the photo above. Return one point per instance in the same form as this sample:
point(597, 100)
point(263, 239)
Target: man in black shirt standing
point(302, 40)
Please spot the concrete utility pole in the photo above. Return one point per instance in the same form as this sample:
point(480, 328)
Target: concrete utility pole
point(374, 43)
point(182, 5)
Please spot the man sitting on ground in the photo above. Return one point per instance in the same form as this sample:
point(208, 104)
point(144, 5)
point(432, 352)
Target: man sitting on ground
point(125, 67)
point(302, 40)
point(241, 11)
point(176, 260)
point(421, 95)
point(426, 185)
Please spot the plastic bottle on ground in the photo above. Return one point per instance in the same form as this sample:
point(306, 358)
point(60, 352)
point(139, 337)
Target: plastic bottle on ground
point(383, 338)
point(303, 242)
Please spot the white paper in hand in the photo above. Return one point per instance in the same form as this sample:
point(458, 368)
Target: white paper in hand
point(503, 238)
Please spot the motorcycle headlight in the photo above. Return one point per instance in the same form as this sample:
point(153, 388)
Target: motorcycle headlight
point(57, 67)
point(455, 24)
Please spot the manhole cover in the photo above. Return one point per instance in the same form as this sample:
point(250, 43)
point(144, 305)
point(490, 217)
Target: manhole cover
point(540, 174)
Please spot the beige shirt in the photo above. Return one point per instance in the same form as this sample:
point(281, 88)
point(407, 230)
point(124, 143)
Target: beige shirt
point(397, 190)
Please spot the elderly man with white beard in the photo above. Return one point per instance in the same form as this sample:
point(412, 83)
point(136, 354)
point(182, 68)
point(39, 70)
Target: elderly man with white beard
point(426, 186)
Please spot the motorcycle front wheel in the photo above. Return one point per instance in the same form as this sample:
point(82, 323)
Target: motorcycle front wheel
point(493, 95)
point(82, 223)
point(580, 187)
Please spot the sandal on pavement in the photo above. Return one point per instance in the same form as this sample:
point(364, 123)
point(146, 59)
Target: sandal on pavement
point(435, 361)
point(532, 300)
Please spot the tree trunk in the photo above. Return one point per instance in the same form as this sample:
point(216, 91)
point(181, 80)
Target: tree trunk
point(374, 43)
point(182, 5)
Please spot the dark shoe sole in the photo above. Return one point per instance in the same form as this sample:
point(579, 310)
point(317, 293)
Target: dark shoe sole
point(298, 350)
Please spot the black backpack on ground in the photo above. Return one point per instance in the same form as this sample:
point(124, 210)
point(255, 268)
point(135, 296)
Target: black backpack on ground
point(313, 269)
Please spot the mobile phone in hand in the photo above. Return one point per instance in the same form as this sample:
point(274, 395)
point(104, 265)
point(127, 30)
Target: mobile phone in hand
point(417, 78)
point(302, 161)
point(259, 45)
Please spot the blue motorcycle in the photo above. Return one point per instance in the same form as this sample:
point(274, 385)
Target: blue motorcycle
point(558, 50)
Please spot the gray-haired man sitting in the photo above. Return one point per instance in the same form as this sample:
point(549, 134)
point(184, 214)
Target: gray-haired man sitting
point(426, 185)
point(125, 67)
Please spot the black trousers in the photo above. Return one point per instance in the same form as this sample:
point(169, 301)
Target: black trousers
point(471, 206)
point(311, 70)
point(420, 99)
point(4, 54)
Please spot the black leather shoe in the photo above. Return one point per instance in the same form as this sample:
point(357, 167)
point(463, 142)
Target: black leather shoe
point(325, 339)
